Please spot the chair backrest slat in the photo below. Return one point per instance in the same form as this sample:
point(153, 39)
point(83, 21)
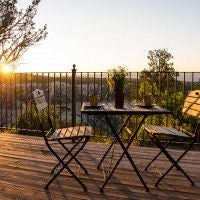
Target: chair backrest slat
point(40, 100)
point(42, 112)
point(192, 104)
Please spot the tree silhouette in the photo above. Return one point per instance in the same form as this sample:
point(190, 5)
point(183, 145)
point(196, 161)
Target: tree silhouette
point(161, 71)
point(18, 30)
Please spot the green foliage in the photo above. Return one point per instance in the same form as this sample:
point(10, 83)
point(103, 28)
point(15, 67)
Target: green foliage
point(116, 78)
point(173, 102)
point(28, 119)
point(147, 88)
point(161, 71)
point(160, 61)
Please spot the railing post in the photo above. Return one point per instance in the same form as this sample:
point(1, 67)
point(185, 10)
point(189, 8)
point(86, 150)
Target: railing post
point(74, 95)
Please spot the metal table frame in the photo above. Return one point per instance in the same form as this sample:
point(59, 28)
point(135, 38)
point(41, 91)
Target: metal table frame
point(129, 110)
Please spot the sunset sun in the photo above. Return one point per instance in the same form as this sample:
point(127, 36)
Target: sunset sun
point(6, 68)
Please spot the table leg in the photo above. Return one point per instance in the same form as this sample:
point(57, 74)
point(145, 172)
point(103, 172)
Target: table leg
point(102, 159)
point(125, 151)
point(113, 142)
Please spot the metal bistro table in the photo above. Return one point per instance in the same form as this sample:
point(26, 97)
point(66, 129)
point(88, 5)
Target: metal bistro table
point(106, 109)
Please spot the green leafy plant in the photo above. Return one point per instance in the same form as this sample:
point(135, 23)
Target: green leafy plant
point(116, 78)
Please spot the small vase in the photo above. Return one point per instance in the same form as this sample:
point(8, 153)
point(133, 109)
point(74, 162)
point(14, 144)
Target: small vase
point(119, 99)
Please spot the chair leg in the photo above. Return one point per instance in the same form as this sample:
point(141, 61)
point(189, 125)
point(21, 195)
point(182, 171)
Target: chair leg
point(174, 163)
point(71, 172)
point(65, 165)
point(161, 147)
point(183, 172)
point(53, 170)
point(166, 145)
point(69, 152)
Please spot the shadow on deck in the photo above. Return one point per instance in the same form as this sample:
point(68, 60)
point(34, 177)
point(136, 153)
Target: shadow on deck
point(25, 164)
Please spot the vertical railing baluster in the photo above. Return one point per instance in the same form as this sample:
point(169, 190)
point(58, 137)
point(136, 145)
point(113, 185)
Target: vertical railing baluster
point(101, 83)
point(11, 99)
point(66, 97)
point(184, 92)
point(159, 80)
point(48, 92)
point(60, 99)
point(81, 92)
point(108, 93)
point(88, 84)
point(167, 73)
point(1, 98)
point(101, 99)
point(137, 84)
point(26, 100)
point(37, 81)
point(6, 103)
point(31, 106)
point(192, 85)
point(144, 88)
point(94, 88)
point(42, 80)
point(54, 99)
point(175, 90)
point(94, 82)
point(20, 91)
point(9, 102)
point(15, 89)
point(74, 95)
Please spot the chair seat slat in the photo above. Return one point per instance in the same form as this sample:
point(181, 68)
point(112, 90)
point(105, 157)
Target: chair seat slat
point(71, 132)
point(164, 130)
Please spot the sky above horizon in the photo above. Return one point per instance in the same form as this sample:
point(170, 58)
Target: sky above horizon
point(100, 34)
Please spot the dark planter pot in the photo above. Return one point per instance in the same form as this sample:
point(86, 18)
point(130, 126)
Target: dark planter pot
point(119, 99)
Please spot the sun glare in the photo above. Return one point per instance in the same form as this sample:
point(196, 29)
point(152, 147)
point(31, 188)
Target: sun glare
point(6, 69)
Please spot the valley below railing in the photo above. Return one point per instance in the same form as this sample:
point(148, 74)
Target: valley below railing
point(66, 91)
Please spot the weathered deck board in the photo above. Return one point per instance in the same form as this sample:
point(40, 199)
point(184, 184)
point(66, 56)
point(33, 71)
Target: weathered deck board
point(25, 163)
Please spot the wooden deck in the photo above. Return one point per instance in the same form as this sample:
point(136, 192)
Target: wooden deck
point(25, 164)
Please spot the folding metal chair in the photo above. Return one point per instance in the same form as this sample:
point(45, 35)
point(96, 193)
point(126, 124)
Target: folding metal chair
point(191, 108)
point(72, 139)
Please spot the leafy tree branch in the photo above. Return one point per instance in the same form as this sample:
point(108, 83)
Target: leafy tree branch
point(18, 30)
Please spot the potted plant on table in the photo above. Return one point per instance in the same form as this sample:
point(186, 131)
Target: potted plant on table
point(116, 82)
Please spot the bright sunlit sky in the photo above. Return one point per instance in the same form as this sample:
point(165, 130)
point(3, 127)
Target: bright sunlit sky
point(100, 34)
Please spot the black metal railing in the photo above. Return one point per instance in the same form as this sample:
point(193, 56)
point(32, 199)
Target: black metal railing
point(66, 91)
